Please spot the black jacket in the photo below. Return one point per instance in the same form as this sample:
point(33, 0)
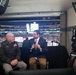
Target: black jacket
point(9, 51)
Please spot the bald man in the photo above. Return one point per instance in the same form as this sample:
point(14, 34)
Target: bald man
point(10, 54)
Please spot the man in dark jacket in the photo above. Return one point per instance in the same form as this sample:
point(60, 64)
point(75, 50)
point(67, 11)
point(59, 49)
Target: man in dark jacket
point(10, 54)
point(38, 48)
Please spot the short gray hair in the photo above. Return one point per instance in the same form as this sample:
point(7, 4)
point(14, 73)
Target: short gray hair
point(9, 33)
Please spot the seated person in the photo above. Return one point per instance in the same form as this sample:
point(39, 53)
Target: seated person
point(10, 54)
point(38, 48)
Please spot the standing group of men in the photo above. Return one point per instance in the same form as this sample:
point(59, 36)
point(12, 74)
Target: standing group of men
point(10, 53)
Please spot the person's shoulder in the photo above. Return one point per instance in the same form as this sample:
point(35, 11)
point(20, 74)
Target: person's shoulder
point(3, 42)
point(15, 42)
point(42, 38)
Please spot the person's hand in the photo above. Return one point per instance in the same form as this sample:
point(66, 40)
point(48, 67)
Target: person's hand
point(33, 46)
point(14, 62)
point(39, 47)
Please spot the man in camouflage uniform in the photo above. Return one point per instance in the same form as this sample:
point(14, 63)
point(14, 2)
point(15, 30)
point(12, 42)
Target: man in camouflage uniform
point(10, 54)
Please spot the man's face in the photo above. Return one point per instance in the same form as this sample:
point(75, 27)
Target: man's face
point(10, 38)
point(35, 35)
